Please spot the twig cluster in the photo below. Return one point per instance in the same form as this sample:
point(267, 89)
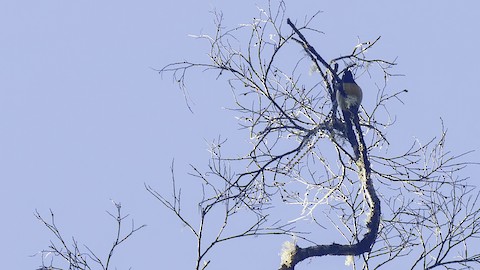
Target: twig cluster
point(75, 256)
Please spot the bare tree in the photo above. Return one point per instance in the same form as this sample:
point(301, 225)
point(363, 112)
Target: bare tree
point(80, 257)
point(334, 166)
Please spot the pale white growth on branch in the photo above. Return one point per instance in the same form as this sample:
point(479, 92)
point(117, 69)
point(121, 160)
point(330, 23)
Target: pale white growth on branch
point(289, 248)
point(349, 260)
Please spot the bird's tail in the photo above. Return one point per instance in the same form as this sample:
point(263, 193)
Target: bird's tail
point(352, 119)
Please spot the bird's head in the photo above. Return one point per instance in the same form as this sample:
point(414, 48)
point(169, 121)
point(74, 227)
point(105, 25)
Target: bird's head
point(347, 77)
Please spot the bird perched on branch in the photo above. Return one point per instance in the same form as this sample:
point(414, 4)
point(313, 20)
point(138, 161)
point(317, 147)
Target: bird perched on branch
point(349, 97)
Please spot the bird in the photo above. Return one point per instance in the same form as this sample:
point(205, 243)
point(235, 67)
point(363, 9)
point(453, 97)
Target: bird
point(351, 97)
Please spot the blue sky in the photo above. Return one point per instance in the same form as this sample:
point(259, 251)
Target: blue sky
point(84, 118)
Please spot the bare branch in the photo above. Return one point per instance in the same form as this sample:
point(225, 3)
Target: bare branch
point(71, 254)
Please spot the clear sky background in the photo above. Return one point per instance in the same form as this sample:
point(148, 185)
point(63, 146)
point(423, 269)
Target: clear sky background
point(84, 118)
